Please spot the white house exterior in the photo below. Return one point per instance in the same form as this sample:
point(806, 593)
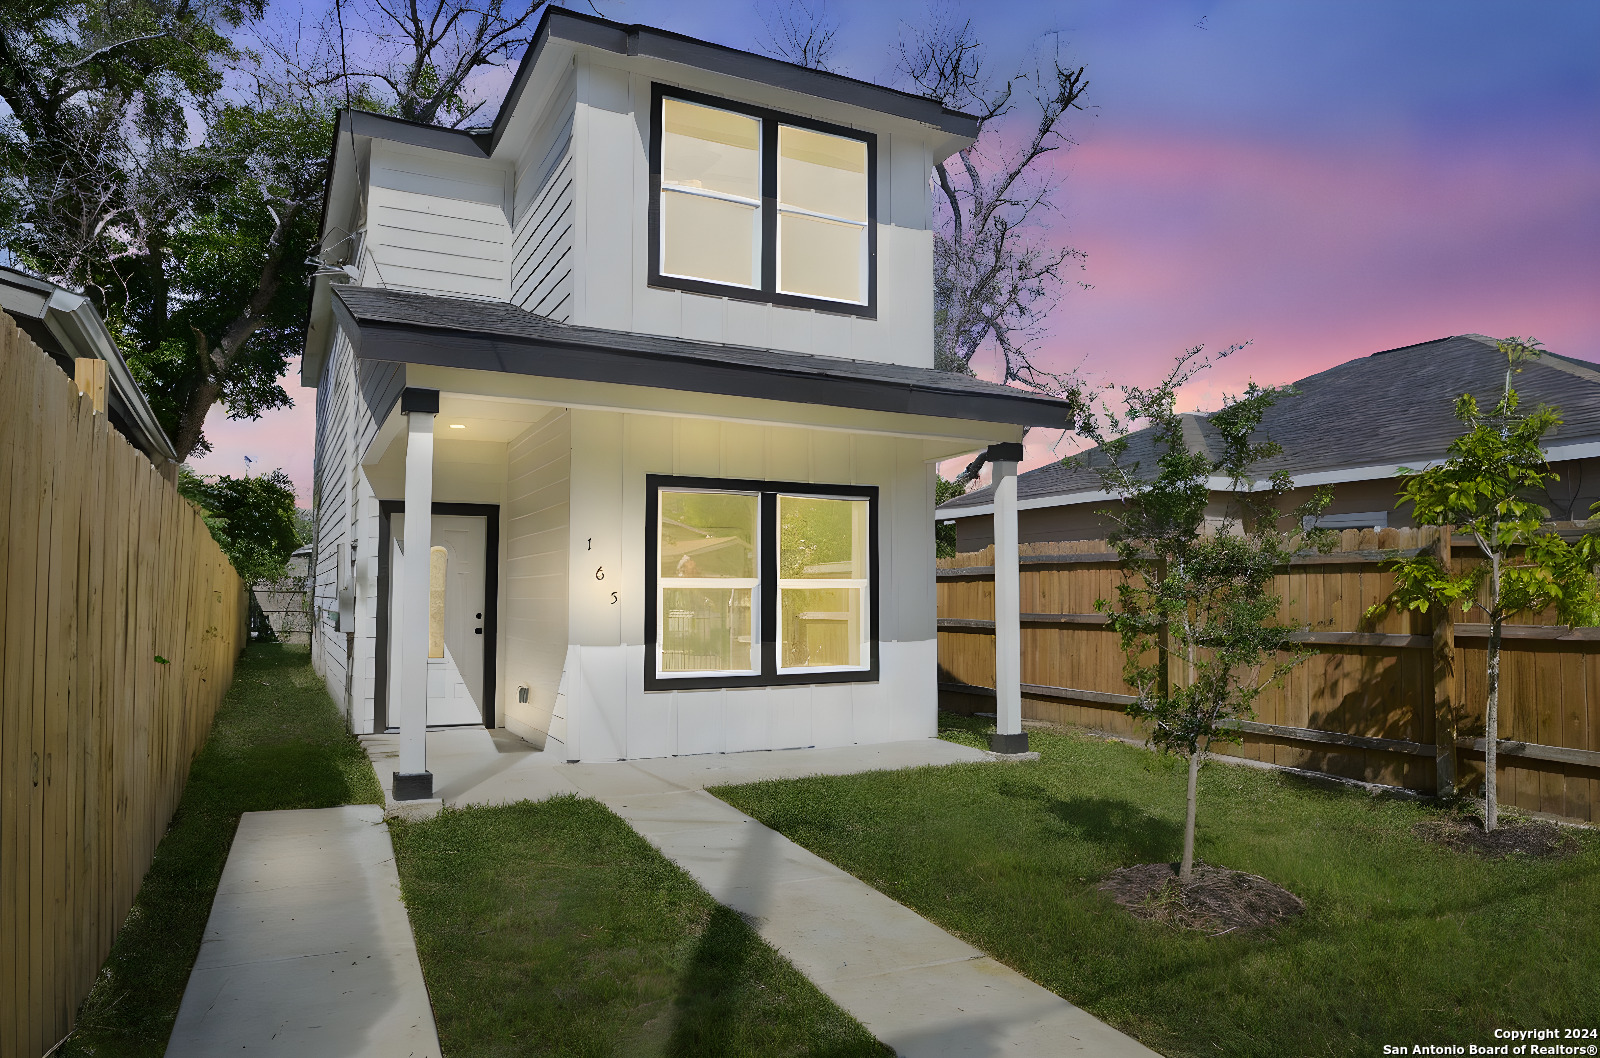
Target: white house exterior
point(654, 355)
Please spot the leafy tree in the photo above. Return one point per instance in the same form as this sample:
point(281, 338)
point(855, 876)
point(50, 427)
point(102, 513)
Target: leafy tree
point(1196, 595)
point(945, 535)
point(253, 519)
point(194, 248)
point(1486, 487)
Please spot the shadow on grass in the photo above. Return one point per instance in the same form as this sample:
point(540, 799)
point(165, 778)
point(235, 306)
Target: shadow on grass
point(1124, 832)
point(720, 995)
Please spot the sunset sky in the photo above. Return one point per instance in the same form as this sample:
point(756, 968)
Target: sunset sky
point(1321, 178)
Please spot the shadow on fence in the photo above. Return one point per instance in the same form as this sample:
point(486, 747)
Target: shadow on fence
point(1364, 706)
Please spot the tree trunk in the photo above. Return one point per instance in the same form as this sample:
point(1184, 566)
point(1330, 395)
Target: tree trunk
point(1491, 723)
point(1186, 868)
point(1446, 691)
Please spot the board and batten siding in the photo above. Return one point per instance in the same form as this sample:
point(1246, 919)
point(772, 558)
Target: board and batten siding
point(611, 716)
point(534, 577)
point(437, 223)
point(541, 252)
point(611, 213)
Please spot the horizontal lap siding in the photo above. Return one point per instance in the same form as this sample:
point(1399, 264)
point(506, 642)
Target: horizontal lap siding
point(1548, 688)
point(335, 408)
point(542, 243)
point(437, 224)
point(120, 619)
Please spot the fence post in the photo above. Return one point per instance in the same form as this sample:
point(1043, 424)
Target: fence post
point(89, 373)
point(1444, 683)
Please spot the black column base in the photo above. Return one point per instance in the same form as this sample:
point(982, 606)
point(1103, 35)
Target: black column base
point(413, 786)
point(1009, 743)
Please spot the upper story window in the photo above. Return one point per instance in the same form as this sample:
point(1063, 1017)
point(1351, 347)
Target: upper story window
point(752, 204)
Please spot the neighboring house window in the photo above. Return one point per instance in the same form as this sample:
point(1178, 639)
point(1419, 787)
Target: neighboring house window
point(760, 583)
point(751, 204)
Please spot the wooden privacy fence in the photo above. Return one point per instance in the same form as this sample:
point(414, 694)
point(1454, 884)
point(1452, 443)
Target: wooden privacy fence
point(1363, 706)
point(119, 623)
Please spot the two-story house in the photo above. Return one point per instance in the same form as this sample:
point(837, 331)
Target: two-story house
point(626, 411)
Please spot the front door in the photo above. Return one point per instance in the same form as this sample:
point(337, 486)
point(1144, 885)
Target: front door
point(457, 567)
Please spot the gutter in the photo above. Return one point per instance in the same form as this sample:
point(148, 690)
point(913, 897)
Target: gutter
point(79, 328)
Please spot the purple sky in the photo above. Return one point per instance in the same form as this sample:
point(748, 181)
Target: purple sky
point(1321, 178)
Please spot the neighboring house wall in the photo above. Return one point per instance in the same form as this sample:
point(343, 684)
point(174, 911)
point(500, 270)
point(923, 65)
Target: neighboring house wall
point(437, 223)
point(610, 714)
point(534, 577)
point(1569, 497)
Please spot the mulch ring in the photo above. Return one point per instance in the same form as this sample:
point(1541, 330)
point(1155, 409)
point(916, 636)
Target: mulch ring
point(1530, 837)
point(1217, 901)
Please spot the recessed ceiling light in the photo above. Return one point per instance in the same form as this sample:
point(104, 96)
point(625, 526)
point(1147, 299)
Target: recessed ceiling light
point(458, 426)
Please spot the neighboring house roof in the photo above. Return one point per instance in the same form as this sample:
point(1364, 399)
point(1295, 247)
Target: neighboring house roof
point(491, 336)
point(1361, 420)
point(66, 326)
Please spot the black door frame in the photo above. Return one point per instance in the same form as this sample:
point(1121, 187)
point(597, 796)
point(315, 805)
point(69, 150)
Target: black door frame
point(491, 603)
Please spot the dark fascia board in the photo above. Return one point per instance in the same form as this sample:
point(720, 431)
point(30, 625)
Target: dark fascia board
point(415, 133)
point(592, 31)
point(413, 343)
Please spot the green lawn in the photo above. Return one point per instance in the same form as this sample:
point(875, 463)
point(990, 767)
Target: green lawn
point(552, 928)
point(1402, 941)
point(277, 742)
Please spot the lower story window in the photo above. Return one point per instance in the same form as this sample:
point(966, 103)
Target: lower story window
point(760, 583)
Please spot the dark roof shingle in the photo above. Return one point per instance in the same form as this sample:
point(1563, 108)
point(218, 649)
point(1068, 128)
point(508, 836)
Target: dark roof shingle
point(493, 336)
point(1391, 408)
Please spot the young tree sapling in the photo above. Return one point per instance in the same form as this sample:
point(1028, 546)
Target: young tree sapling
point(1195, 610)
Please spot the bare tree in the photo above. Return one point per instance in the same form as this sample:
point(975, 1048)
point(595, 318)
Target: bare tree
point(996, 272)
point(803, 32)
point(419, 54)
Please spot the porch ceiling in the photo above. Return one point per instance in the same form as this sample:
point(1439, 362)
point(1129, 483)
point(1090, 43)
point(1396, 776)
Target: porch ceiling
point(402, 327)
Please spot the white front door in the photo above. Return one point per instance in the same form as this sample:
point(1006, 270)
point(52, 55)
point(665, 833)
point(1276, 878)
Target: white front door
point(458, 563)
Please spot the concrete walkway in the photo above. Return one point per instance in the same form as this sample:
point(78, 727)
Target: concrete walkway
point(914, 986)
point(308, 952)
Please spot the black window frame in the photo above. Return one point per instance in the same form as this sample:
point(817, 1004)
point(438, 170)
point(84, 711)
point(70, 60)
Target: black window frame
point(768, 292)
point(767, 576)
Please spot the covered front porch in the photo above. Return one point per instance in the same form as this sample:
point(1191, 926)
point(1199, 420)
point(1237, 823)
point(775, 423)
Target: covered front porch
point(601, 502)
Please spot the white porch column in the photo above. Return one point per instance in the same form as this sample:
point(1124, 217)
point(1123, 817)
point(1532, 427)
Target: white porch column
point(412, 780)
point(1009, 736)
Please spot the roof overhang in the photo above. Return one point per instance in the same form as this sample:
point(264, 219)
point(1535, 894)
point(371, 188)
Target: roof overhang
point(574, 29)
point(487, 336)
point(72, 321)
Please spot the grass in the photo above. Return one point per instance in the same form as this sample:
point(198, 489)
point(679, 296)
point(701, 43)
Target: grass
point(277, 742)
point(1402, 941)
point(551, 928)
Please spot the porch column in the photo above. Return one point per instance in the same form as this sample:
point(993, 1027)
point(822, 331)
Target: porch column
point(1009, 736)
point(413, 781)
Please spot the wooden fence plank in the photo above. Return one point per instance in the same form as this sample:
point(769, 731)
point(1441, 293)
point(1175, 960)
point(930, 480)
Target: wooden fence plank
point(1372, 684)
point(104, 565)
